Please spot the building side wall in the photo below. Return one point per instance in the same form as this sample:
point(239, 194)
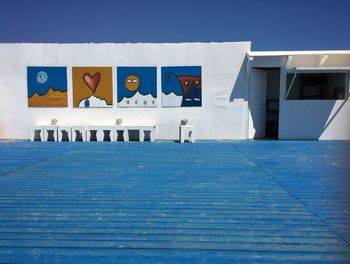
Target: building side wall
point(314, 119)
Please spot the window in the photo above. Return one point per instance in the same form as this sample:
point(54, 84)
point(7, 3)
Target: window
point(316, 86)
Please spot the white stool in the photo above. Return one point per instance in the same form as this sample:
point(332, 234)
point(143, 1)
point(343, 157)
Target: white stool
point(78, 130)
point(64, 129)
point(50, 129)
point(187, 130)
point(37, 133)
point(124, 130)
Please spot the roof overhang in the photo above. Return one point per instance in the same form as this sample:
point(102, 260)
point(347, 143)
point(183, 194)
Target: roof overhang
point(295, 53)
point(318, 69)
point(292, 59)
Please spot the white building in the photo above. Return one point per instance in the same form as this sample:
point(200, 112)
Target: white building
point(245, 94)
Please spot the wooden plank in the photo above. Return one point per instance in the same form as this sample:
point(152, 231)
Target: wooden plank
point(162, 202)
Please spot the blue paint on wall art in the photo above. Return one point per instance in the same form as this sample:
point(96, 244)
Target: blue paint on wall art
point(182, 86)
point(86, 103)
point(40, 79)
point(137, 86)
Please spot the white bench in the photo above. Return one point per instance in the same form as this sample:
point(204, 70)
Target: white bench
point(114, 130)
point(89, 132)
point(187, 130)
point(125, 129)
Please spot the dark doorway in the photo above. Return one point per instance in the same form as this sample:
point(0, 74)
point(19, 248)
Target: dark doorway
point(272, 102)
point(264, 103)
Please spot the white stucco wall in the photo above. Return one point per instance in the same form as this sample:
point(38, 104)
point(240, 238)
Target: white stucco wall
point(223, 99)
point(315, 119)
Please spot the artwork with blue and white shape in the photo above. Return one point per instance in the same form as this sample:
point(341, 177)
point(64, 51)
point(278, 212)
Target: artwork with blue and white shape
point(137, 86)
point(47, 86)
point(182, 86)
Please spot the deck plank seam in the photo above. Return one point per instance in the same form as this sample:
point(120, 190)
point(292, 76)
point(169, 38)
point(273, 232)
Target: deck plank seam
point(34, 163)
point(296, 199)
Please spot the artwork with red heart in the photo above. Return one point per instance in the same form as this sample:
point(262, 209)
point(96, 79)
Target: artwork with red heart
point(92, 81)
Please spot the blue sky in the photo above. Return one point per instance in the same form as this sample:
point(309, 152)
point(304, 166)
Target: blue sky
point(269, 24)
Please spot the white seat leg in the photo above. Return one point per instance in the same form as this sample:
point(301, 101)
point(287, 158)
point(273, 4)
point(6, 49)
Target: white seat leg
point(88, 134)
point(99, 134)
point(126, 135)
point(112, 134)
point(151, 135)
point(187, 130)
point(191, 136)
point(141, 135)
point(182, 136)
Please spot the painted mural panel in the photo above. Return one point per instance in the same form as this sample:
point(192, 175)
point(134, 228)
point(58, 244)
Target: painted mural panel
point(92, 87)
point(182, 86)
point(137, 86)
point(47, 86)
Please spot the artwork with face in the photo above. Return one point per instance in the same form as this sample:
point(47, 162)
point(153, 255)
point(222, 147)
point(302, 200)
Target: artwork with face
point(47, 86)
point(92, 87)
point(182, 86)
point(137, 86)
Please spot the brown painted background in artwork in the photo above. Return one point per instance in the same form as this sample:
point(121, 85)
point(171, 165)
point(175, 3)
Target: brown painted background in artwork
point(81, 90)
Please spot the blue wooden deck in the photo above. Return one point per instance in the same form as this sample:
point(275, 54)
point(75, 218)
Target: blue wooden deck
point(209, 202)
